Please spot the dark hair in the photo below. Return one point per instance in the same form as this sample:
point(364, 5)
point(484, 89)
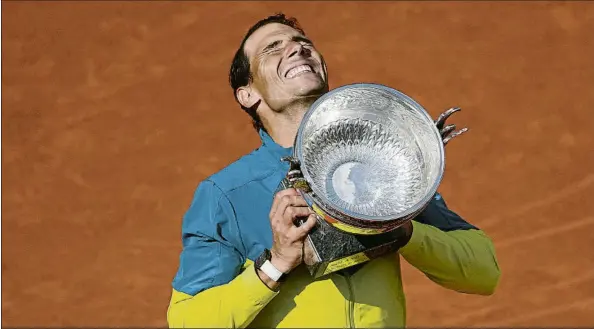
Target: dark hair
point(240, 74)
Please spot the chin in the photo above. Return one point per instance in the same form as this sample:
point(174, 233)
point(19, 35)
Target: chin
point(310, 88)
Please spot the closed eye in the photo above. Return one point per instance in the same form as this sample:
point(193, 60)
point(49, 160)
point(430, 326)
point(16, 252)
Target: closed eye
point(272, 45)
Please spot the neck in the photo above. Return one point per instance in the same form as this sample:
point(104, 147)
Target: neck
point(283, 126)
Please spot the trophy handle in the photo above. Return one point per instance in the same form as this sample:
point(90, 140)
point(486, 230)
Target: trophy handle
point(295, 176)
point(447, 132)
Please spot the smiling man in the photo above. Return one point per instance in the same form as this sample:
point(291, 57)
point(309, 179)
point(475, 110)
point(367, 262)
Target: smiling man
point(279, 73)
point(241, 257)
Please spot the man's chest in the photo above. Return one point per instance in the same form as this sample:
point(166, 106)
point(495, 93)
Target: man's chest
point(252, 210)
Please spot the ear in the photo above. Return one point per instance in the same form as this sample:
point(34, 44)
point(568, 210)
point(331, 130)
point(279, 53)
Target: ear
point(325, 68)
point(246, 96)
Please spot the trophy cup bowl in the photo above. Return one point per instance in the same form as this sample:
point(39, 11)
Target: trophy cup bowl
point(367, 158)
point(371, 156)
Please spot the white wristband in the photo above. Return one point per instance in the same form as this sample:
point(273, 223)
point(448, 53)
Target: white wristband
point(272, 272)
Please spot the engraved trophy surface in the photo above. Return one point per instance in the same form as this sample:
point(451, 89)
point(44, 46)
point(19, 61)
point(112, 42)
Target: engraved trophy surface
point(366, 158)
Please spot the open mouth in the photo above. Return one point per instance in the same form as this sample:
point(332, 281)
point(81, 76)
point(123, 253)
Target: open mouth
point(298, 70)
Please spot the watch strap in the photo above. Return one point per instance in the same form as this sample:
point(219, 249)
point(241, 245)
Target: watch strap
point(272, 272)
point(263, 264)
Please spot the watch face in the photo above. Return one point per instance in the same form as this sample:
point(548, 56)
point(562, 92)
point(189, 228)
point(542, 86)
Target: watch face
point(264, 256)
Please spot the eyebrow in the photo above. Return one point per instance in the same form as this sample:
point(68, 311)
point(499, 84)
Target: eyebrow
point(300, 38)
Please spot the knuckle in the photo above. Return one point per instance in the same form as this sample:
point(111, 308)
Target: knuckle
point(281, 194)
point(278, 195)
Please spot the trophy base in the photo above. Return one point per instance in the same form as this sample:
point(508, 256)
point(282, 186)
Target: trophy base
point(329, 250)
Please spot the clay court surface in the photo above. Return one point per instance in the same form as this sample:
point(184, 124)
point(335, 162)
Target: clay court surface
point(113, 112)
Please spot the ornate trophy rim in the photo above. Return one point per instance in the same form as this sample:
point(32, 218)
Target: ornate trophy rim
point(321, 201)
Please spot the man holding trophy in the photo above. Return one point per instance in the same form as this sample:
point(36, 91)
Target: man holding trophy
point(308, 229)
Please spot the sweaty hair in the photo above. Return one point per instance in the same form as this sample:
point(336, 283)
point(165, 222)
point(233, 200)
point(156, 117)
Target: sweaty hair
point(240, 74)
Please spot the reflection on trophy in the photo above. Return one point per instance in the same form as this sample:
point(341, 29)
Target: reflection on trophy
point(367, 159)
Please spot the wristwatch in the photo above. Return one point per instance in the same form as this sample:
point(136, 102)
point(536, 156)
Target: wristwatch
point(263, 264)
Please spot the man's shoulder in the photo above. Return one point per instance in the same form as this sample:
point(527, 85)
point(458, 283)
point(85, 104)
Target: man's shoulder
point(248, 168)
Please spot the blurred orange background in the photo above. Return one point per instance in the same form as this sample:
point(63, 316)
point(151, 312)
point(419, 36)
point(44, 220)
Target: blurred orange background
point(112, 112)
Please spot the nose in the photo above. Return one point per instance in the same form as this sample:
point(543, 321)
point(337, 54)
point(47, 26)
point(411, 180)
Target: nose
point(295, 48)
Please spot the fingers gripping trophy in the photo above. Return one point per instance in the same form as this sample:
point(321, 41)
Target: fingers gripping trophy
point(366, 159)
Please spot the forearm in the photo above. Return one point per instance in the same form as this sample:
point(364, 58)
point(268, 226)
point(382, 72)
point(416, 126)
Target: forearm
point(461, 260)
point(232, 305)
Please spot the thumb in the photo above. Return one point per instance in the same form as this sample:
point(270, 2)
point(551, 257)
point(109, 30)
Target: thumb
point(308, 225)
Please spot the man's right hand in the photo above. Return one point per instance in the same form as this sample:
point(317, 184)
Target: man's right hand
point(288, 238)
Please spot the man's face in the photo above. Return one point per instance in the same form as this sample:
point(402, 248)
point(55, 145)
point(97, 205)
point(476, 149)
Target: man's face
point(285, 66)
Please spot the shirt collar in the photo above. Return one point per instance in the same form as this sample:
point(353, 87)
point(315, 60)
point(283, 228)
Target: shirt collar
point(273, 148)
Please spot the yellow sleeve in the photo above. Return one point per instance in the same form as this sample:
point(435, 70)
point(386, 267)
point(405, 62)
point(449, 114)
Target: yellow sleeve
point(231, 305)
point(461, 260)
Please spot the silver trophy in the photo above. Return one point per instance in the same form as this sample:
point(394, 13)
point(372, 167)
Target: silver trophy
point(366, 158)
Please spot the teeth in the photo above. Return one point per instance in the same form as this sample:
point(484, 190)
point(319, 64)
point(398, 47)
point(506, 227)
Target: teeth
point(298, 69)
